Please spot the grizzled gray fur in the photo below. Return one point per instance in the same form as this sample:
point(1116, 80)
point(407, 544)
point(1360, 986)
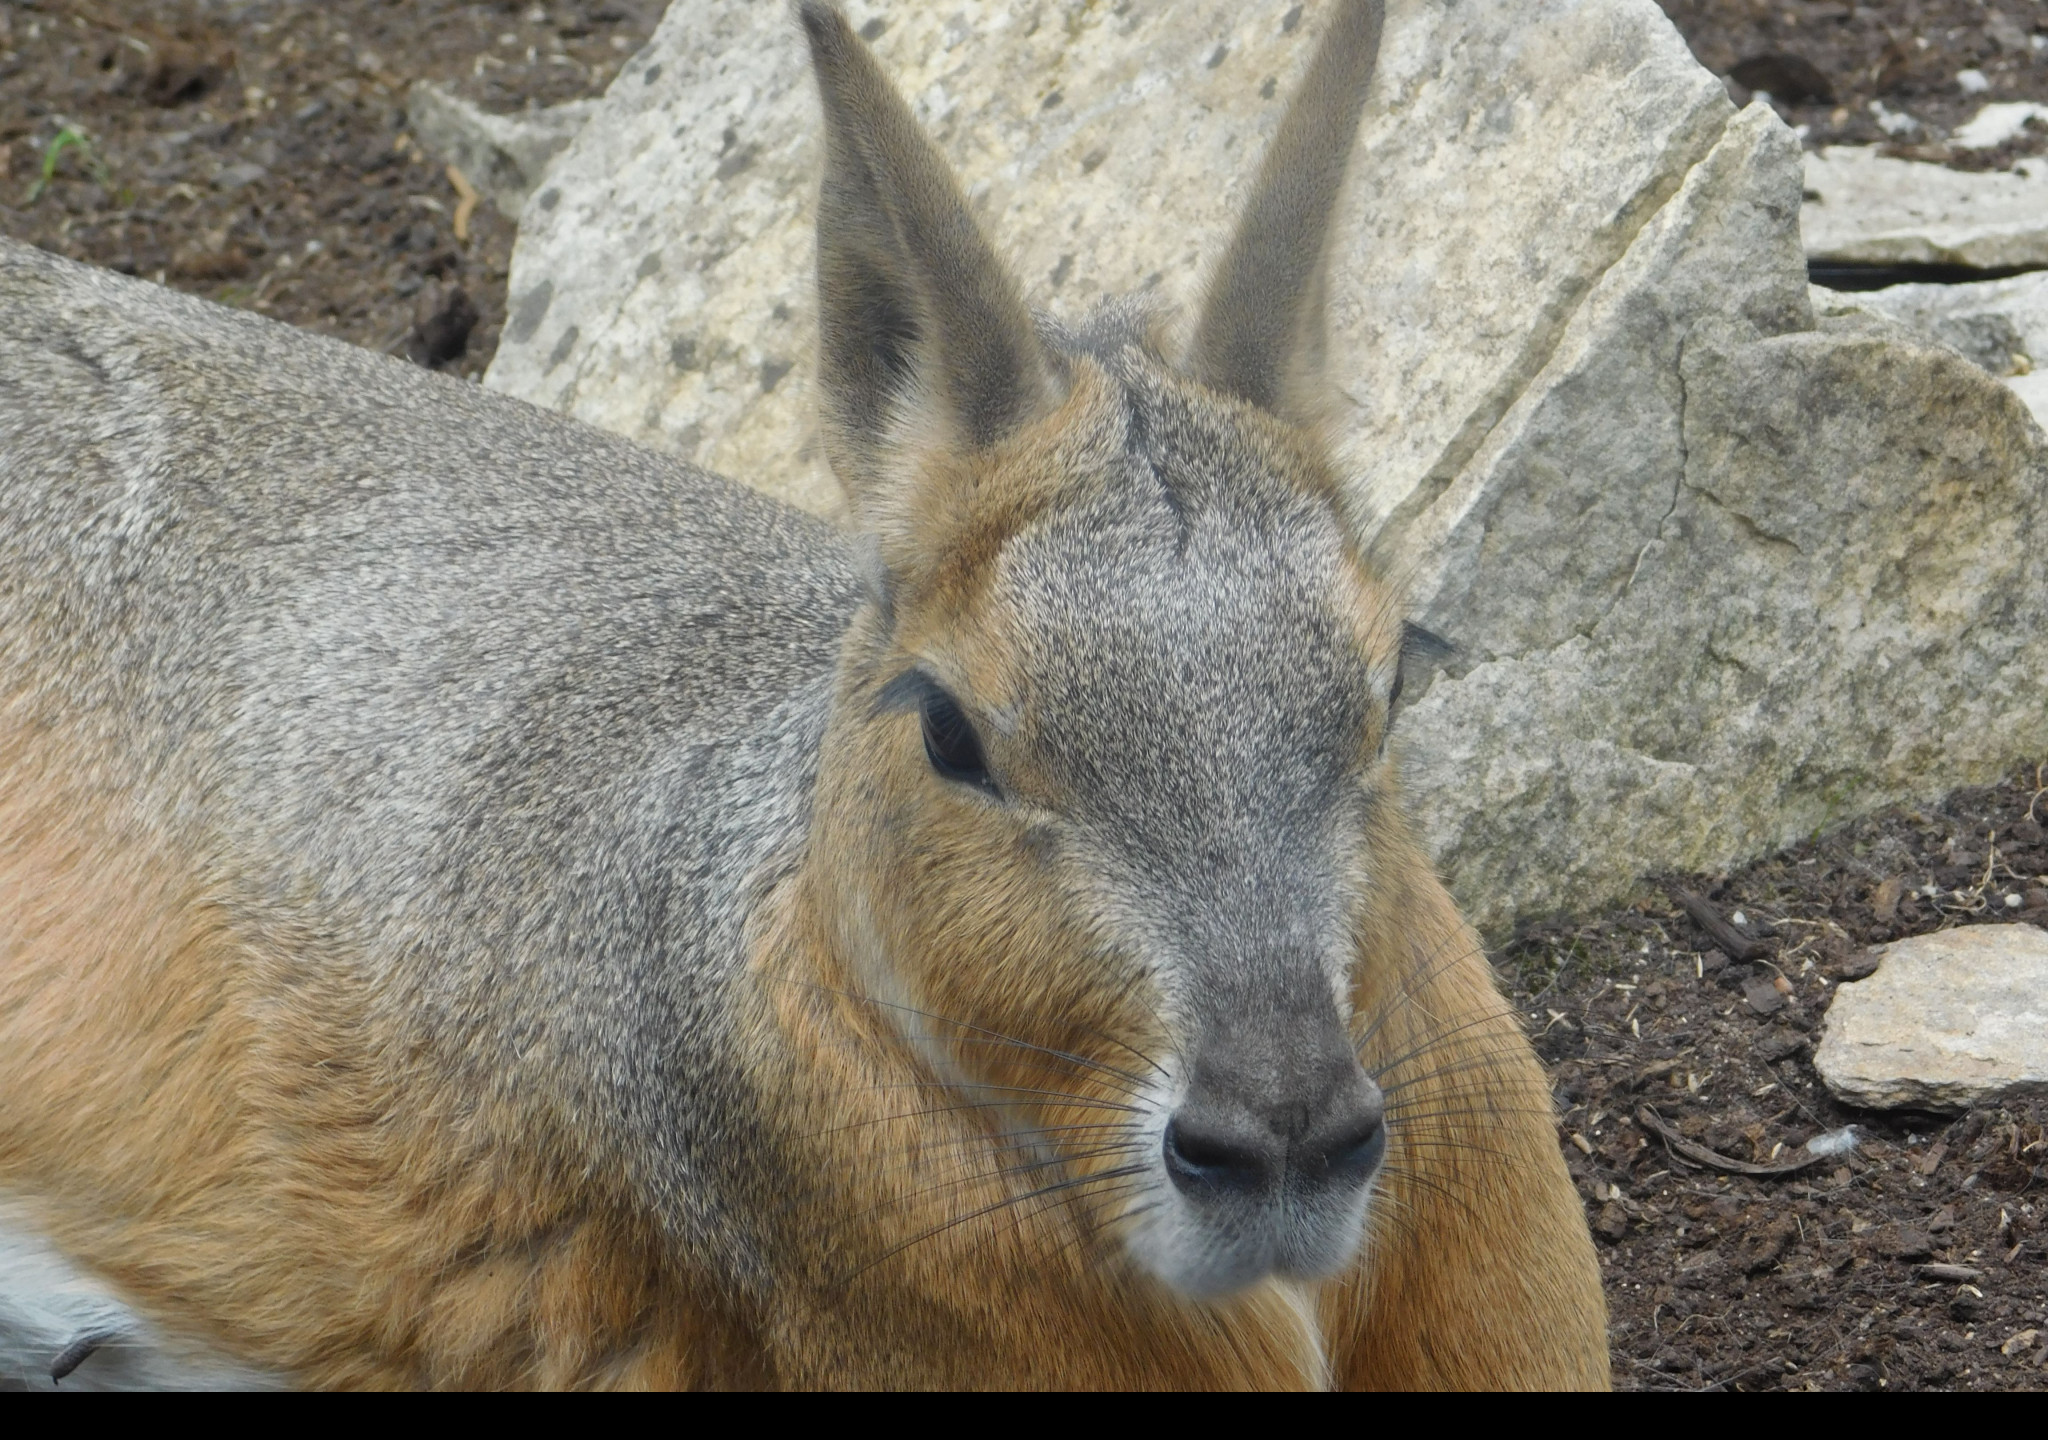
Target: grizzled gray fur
point(526, 708)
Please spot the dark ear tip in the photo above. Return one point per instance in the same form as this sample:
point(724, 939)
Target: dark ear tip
point(824, 27)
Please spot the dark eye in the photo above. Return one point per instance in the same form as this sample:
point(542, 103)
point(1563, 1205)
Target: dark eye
point(951, 744)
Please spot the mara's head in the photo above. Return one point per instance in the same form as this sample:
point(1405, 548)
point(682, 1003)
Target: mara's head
point(1103, 806)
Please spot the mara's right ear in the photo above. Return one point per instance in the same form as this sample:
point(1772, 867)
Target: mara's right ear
point(1261, 333)
point(921, 329)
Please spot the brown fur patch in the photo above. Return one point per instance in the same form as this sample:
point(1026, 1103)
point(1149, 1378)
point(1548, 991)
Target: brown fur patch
point(939, 1134)
point(203, 1109)
point(1477, 1270)
point(951, 515)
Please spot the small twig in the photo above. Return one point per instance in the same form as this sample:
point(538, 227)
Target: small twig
point(1699, 1154)
point(1659, 1071)
point(1952, 1274)
point(465, 203)
point(1737, 945)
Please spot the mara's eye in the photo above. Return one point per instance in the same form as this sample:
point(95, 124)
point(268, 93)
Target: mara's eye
point(951, 744)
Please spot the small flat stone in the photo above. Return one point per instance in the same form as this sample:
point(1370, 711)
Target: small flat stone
point(1762, 997)
point(504, 156)
point(1948, 1021)
point(1778, 1047)
point(1995, 124)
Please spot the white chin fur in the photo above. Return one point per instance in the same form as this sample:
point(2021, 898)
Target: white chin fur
point(1207, 1257)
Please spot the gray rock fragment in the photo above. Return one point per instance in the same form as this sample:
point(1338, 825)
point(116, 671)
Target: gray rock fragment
point(1995, 124)
point(1999, 325)
point(1726, 574)
point(504, 156)
point(1870, 209)
point(1949, 1020)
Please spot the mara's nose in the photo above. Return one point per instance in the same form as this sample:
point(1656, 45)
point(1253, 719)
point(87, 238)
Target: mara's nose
point(1318, 1123)
point(1212, 1150)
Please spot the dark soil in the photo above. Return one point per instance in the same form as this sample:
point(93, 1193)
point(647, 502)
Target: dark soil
point(254, 152)
point(1826, 62)
point(1818, 1279)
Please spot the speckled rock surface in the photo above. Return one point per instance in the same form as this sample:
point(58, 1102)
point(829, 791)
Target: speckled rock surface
point(1949, 1020)
point(1721, 570)
point(1725, 574)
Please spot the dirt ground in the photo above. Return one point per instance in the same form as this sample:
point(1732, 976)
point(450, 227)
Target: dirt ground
point(1841, 67)
point(254, 151)
point(1918, 1260)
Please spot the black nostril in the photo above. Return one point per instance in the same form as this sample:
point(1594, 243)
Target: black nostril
point(1352, 1156)
point(1201, 1159)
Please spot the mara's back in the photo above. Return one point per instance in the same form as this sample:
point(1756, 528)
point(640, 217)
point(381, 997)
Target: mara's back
point(395, 688)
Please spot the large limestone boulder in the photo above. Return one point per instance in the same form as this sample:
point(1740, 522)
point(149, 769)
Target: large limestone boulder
point(1721, 570)
point(1948, 1021)
point(1723, 575)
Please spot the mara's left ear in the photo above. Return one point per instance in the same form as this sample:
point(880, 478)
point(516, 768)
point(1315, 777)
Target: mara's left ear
point(1261, 333)
point(920, 326)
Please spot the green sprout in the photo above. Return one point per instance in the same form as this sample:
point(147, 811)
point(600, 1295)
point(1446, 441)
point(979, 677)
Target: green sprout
point(69, 138)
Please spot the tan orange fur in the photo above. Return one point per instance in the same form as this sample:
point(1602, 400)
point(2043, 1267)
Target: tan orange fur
point(214, 1120)
point(219, 1124)
point(1476, 1272)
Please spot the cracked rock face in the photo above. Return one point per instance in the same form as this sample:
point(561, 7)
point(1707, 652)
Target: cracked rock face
point(1720, 571)
point(1796, 570)
point(1948, 1021)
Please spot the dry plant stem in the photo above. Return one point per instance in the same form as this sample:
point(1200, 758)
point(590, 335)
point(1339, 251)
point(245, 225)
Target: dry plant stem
point(1737, 945)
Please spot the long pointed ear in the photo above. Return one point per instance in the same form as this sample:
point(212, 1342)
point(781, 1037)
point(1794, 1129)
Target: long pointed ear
point(1261, 333)
point(918, 320)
